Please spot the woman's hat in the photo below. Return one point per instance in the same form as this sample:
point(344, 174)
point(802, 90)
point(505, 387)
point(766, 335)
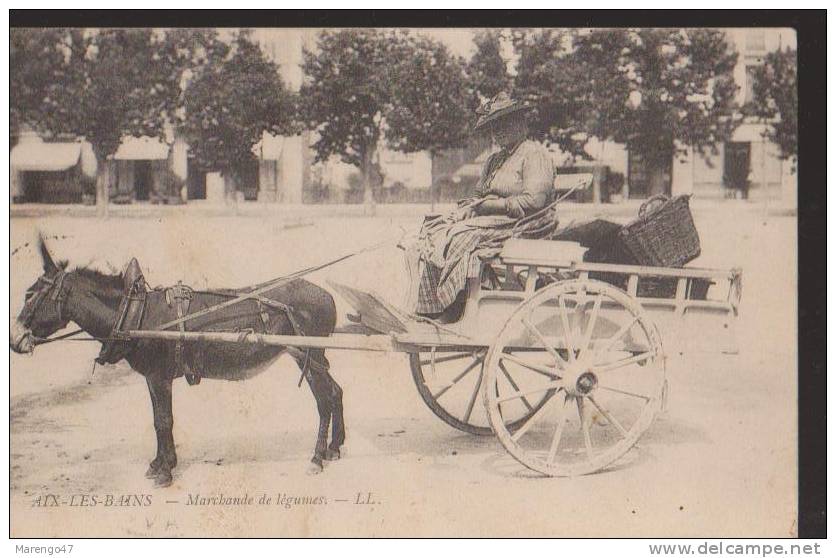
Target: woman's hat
point(498, 107)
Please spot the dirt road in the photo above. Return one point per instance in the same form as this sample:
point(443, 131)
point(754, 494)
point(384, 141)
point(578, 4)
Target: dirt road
point(720, 462)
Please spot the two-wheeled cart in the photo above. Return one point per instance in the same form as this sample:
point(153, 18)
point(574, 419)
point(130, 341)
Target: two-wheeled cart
point(566, 356)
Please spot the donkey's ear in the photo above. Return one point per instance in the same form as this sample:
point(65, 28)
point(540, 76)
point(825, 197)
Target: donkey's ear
point(49, 263)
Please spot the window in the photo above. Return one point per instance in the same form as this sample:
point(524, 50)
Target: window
point(749, 85)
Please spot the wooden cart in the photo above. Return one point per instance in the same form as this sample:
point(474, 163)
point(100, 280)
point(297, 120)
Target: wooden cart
point(570, 368)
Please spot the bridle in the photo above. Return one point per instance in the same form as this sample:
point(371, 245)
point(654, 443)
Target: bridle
point(54, 291)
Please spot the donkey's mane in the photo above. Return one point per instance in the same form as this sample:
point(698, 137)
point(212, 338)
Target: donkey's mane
point(110, 281)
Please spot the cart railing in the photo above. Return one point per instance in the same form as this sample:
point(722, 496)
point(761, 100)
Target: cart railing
point(685, 324)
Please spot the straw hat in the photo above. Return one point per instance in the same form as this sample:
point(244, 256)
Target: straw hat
point(498, 107)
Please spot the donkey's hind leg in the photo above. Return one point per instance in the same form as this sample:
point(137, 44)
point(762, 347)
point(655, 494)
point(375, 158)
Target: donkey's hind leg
point(335, 394)
point(320, 389)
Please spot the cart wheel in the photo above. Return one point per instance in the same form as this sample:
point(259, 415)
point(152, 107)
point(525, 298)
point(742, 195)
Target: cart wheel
point(604, 364)
point(450, 382)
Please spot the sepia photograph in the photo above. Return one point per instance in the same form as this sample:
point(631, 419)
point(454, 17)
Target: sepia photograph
point(404, 281)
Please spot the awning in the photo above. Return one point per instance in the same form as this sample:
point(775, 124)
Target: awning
point(144, 148)
point(41, 156)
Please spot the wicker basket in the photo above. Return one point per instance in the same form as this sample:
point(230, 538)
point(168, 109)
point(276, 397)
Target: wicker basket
point(664, 235)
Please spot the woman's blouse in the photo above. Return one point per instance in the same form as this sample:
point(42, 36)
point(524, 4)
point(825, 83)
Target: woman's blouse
point(524, 175)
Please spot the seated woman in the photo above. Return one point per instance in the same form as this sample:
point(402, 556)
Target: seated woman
point(515, 187)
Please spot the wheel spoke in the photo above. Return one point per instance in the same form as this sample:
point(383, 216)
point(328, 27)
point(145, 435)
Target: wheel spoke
point(587, 439)
point(558, 431)
point(518, 394)
point(539, 368)
point(473, 396)
point(624, 329)
point(458, 356)
point(609, 417)
point(529, 423)
point(514, 385)
point(551, 350)
point(623, 392)
point(458, 378)
point(623, 362)
point(593, 317)
point(567, 334)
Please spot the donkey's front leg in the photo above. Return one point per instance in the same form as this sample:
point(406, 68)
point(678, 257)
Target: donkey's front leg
point(159, 387)
point(323, 407)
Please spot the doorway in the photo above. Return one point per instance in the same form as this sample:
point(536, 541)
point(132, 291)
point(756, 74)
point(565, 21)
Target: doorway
point(196, 181)
point(737, 157)
point(142, 180)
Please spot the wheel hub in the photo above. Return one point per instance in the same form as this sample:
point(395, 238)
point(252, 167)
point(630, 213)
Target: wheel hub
point(585, 383)
point(580, 382)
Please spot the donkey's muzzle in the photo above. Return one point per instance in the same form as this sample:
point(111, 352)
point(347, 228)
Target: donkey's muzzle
point(21, 339)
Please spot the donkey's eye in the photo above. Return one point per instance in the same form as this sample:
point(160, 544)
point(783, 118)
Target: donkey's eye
point(28, 295)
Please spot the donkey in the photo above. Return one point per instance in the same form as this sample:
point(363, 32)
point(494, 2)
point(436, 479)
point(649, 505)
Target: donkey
point(92, 300)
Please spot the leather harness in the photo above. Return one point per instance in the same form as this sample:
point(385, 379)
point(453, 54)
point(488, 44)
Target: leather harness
point(132, 310)
point(129, 316)
point(181, 296)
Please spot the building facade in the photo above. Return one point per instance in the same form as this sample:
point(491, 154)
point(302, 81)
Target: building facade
point(747, 166)
point(143, 169)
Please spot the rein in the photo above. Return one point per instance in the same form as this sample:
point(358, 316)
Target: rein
point(255, 292)
point(46, 340)
point(262, 288)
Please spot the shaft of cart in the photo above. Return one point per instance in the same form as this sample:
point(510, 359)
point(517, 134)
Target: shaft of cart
point(379, 343)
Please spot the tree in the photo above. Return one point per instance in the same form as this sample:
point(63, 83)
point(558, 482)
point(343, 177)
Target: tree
point(234, 96)
point(659, 91)
point(427, 99)
point(364, 87)
point(775, 99)
point(429, 105)
point(548, 78)
point(486, 70)
point(36, 63)
point(104, 85)
point(344, 96)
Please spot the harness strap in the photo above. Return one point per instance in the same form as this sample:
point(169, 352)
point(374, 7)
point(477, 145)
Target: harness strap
point(181, 296)
point(129, 316)
point(261, 288)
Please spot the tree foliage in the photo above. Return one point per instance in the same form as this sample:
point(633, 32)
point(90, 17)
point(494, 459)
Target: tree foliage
point(548, 79)
point(364, 86)
point(650, 88)
point(345, 92)
point(487, 71)
point(775, 99)
point(100, 85)
point(233, 96)
point(428, 105)
point(658, 91)
point(37, 66)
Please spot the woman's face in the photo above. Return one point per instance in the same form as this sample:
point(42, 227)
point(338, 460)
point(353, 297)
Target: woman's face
point(507, 132)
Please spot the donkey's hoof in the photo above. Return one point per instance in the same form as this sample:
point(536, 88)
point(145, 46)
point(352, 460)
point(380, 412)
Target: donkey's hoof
point(163, 479)
point(332, 454)
point(314, 468)
point(151, 472)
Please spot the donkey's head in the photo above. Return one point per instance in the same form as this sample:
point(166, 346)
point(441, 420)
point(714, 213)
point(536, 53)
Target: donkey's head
point(42, 313)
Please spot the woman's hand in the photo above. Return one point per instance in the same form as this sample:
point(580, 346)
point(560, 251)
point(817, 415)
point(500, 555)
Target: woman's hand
point(463, 212)
point(491, 205)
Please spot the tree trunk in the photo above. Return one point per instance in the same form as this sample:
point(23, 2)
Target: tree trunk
point(102, 186)
point(432, 183)
point(368, 195)
point(659, 167)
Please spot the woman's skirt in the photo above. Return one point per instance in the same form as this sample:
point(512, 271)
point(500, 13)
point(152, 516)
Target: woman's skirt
point(450, 252)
